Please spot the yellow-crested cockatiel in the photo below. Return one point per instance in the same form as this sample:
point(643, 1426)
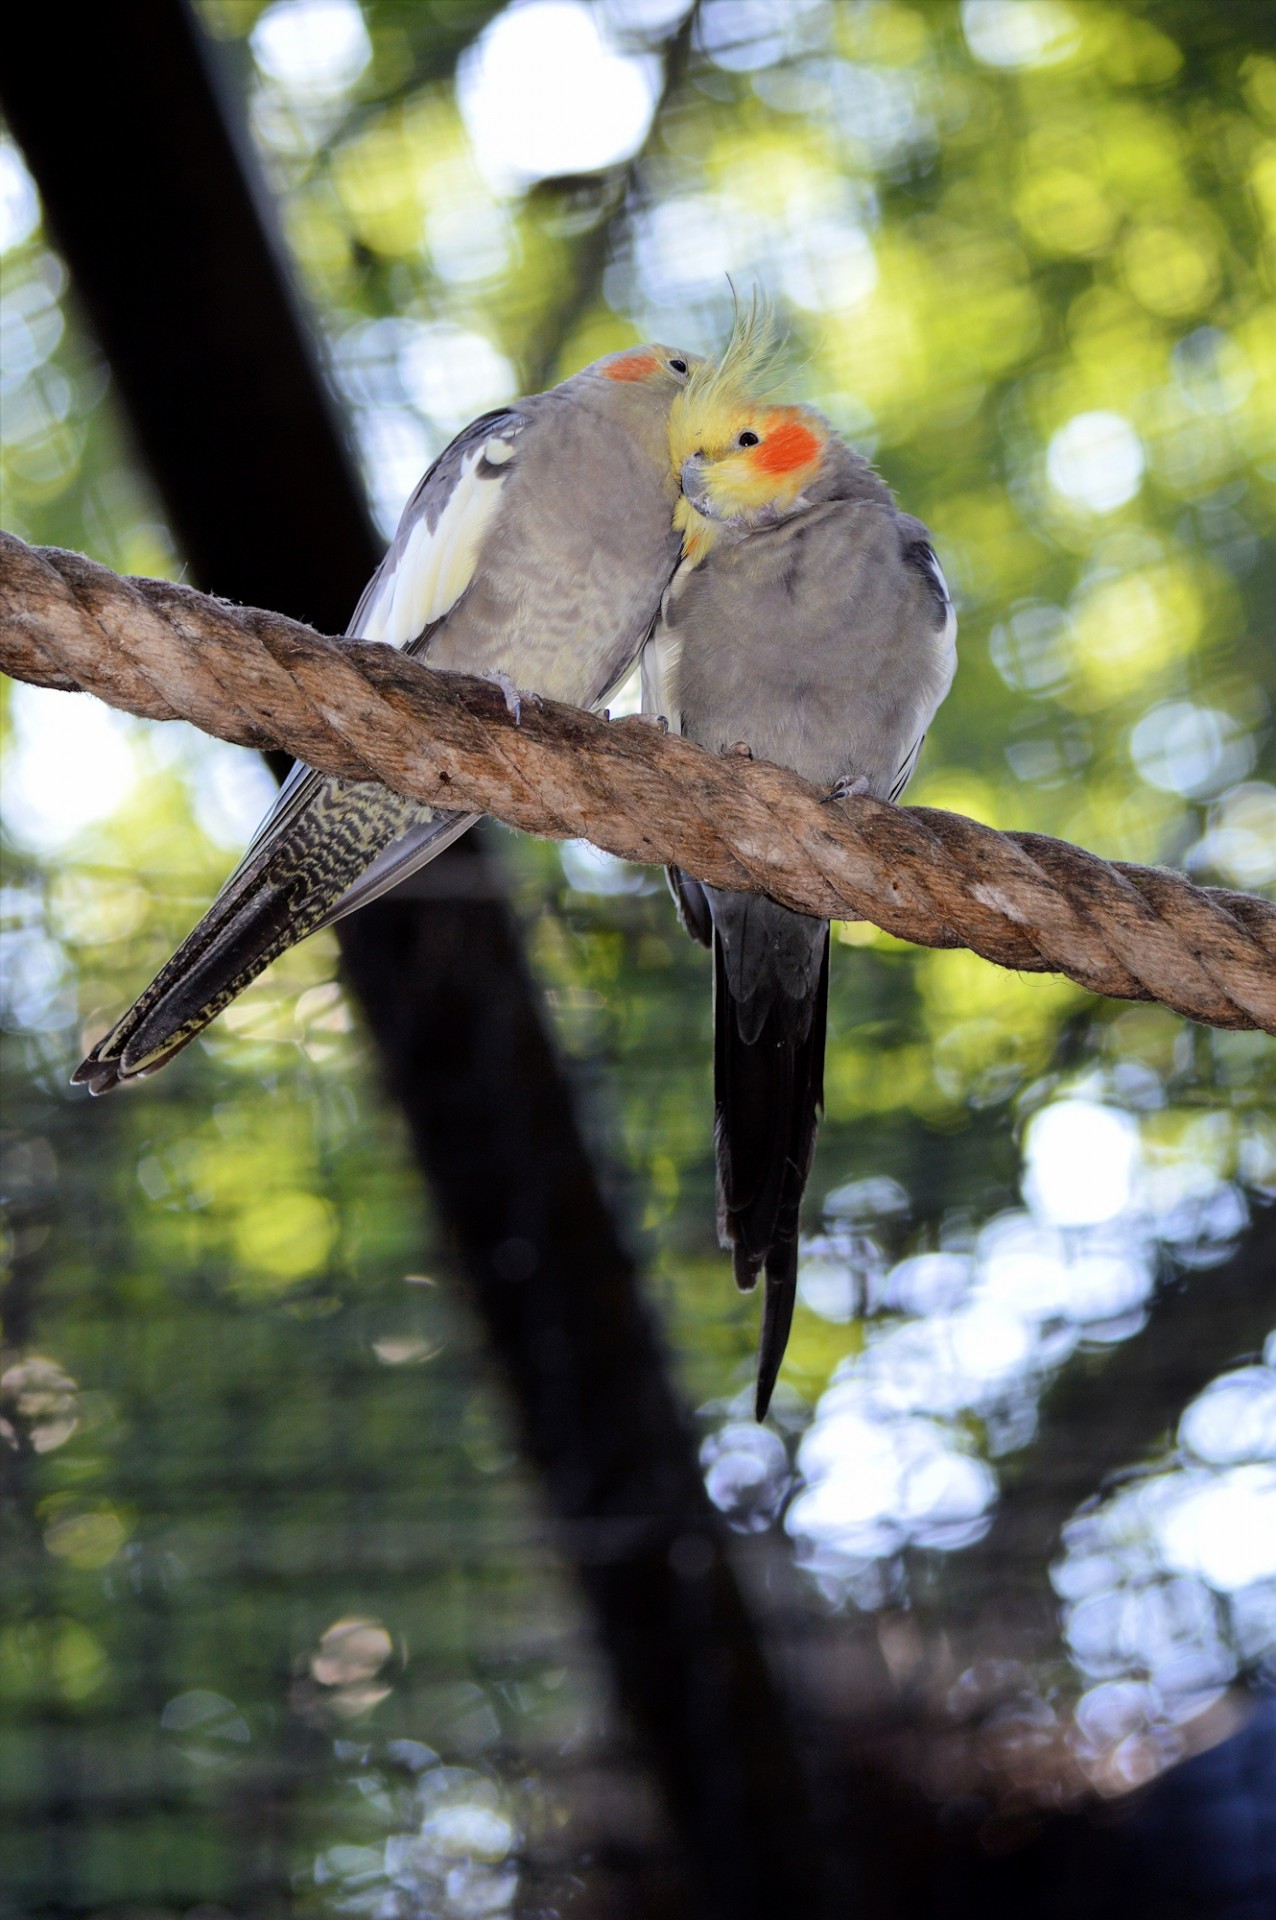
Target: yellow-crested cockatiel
point(808, 621)
point(535, 550)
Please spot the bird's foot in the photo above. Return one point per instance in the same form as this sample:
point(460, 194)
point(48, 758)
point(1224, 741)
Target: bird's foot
point(847, 789)
point(512, 697)
point(740, 748)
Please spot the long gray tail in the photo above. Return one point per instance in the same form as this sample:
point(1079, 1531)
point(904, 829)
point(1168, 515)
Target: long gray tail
point(770, 1007)
point(329, 846)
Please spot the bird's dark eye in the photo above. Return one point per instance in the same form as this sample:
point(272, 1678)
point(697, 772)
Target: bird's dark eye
point(749, 440)
point(678, 366)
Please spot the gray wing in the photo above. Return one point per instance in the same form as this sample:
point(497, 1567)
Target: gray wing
point(427, 568)
point(329, 845)
point(658, 669)
point(919, 553)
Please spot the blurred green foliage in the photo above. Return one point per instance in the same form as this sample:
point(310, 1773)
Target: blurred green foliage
point(1027, 257)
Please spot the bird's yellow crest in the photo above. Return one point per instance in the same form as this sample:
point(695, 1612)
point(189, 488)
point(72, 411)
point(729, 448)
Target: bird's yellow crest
point(740, 458)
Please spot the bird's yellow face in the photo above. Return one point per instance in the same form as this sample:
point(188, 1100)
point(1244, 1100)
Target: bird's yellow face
point(748, 466)
point(741, 461)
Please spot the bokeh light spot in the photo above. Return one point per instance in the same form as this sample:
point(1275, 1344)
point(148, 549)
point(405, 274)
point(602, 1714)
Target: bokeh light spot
point(73, 764)
point(86, 1540)
point(1234, 1419)
point(312, 48)
point(543, 93)
point(1096, 461)
point(1081, 1161)
point(1019, 33)
point(1225, 1529)
point(1241, 838)
point(1183, 748)
point(19, 201)
point(452, 373)
point(284, 1236)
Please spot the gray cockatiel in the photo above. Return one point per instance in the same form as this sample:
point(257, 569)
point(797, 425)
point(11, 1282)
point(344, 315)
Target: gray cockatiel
point(809, 622)
point(535, 550)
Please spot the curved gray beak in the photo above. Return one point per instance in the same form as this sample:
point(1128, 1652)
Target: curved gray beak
point(694, 485)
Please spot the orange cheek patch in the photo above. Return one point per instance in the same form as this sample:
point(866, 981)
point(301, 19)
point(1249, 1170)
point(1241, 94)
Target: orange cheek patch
point(634, 366)
point(787, 449)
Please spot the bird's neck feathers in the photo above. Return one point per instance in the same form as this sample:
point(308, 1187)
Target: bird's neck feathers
point(631, 391)
point(847, 475)
point(728, 508)
point(698, 534)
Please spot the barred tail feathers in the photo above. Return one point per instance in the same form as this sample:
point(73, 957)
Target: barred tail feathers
point(334, 845)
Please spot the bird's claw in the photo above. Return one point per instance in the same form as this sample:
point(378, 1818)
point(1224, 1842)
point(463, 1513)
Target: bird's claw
point(847, 789)
point(512, 697)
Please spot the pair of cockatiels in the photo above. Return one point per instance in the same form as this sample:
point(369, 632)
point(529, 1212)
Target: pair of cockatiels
point(652, 505)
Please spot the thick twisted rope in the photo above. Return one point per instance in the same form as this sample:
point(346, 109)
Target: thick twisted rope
point(1019, 899)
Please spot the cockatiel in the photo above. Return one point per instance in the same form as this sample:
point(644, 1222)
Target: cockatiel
point(535, 550)
point(808, 621)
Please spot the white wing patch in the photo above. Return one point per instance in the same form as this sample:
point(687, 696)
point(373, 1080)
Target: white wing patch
point(947, 649)
point(658, 666)
point(945, 666)
point(418, 586)
point(437, 564)
point(948, 638)
point(658, 661)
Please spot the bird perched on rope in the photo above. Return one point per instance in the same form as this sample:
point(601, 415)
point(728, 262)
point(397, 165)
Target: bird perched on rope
point(535, 550)
point(808, 623)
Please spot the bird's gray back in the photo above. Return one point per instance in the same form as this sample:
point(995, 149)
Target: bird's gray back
point(589, 494)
